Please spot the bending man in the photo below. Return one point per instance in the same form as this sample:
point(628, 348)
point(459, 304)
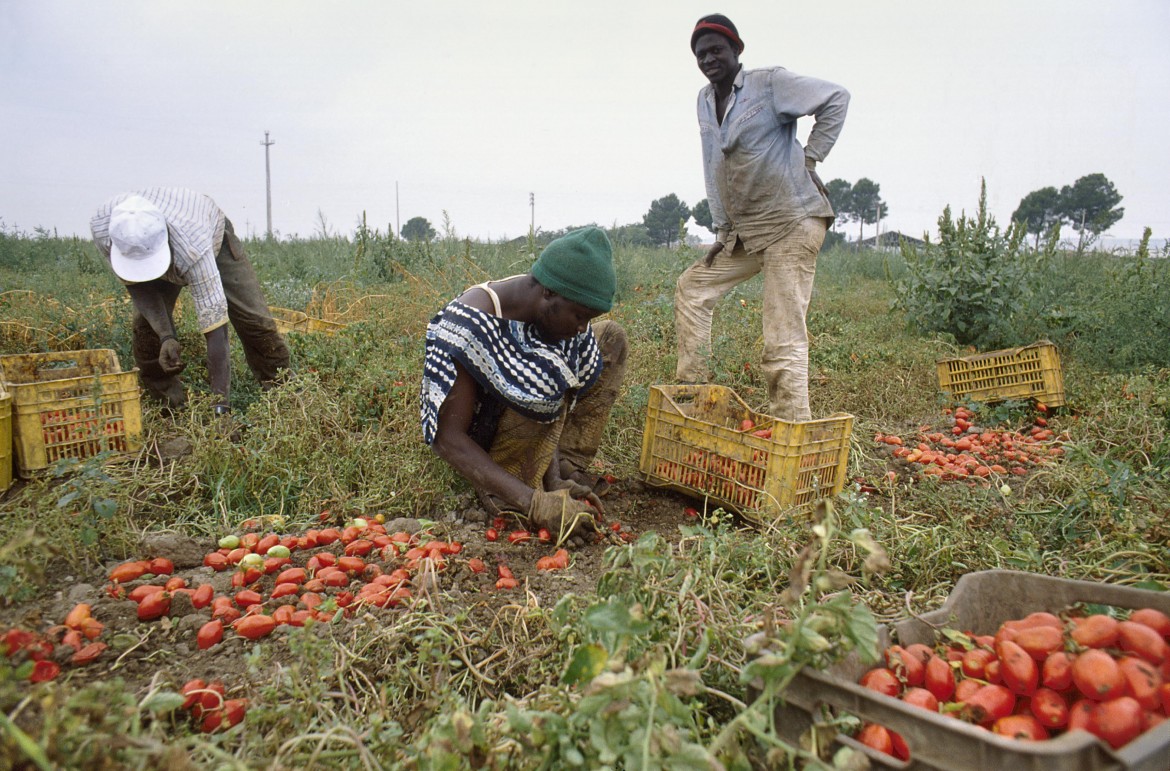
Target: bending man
point(158, 241)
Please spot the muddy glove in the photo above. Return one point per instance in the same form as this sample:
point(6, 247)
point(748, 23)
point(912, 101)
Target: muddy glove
point(170, 356)
point(578, 490)
point(560, 513)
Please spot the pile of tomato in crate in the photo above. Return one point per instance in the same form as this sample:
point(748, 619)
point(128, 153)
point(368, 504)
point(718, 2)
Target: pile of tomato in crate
point(1036, 678)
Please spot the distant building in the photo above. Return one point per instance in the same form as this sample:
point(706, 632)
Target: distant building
point(891, 239)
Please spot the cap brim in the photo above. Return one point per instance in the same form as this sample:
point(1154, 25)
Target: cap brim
point(146, 268)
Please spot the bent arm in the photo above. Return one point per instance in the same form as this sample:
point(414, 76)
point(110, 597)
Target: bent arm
point(151, 303)
point(454, 445)
point(797, 96)
point(219, 368)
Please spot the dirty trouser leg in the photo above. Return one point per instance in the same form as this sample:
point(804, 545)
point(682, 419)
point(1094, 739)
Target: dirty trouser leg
point(586, 423)
point(161, 386)
point(789, 269)
point(264, 348)
point(696, 294)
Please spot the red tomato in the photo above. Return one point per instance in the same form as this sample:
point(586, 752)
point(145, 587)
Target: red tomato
point(491, 534)
point(1049, 707)
point(1142, 641)
point(210, 634)
point(215, 561)
point(247, 597)
point(1020, 727)
point(1117, 721)
point(75, 617)
point(1018, 669)
point(43, 671)
point(233, 712)
point(254, 627)
point(1097, 675)
point(1056, 673)
point(475, 564)
point(1142, 681)
point(989, 703)
point(939, 678)
point(154, 606)
point(160, 566)
point(128, 571)
point(192, 689)
point(909, 668)
point(1096, 631)
point(876, 737)
point(88, 653)
point(922, 698)
point(882, 680)
point(1154, 619)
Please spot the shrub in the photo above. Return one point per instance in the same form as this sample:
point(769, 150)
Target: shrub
point(973, 283)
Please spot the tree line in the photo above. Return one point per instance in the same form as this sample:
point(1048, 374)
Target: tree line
point(1089, 206)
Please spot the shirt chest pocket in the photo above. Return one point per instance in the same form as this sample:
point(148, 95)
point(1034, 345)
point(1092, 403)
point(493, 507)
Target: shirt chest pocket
point(750, 132)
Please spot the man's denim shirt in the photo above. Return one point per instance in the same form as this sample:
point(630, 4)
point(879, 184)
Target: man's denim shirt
point(753, 165)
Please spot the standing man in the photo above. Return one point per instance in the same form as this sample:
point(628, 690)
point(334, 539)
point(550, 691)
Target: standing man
point(518, 383)
point(769, 208)
point(162, 239)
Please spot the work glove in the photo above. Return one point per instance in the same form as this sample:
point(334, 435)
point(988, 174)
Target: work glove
point(170, 356)
point(560, 514)
point(578, 491)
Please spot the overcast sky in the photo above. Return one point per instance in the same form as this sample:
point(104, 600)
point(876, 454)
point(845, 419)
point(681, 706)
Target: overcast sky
point(404, 109)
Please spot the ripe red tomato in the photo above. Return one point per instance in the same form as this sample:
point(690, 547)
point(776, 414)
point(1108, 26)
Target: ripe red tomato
point(210, 634)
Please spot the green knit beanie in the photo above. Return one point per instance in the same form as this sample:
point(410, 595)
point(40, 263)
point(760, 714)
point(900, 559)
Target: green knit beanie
point(579, 267)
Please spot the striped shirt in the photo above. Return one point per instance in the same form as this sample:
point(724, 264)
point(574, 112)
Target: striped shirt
point(195, 226)
point(509, 361)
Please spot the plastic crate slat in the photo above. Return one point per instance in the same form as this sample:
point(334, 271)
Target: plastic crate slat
point(692, 443)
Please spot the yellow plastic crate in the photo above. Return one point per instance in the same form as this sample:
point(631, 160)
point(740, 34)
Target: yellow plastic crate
point(1031, 372)
point(288, 320)
point(693, 443)
point(5, 440)
point(70, 404)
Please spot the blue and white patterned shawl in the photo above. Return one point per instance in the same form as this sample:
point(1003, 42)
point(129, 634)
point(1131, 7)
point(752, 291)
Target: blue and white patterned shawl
point(508, 360)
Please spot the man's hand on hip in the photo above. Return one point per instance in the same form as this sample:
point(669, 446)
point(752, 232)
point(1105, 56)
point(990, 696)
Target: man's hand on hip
point(714, 250)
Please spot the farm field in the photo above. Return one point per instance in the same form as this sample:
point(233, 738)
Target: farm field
point(642, 652)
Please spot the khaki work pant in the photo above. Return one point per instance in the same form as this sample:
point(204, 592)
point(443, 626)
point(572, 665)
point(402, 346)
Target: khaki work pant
point(264, 348)
point(789, 267)
point(524, 448)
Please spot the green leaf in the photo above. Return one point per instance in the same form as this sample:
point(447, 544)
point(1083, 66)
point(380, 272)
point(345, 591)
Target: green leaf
point(104, 508)
point(614, 617)
point(162, 702)
point(587, 663)
point(67, 499)
point(863, 632)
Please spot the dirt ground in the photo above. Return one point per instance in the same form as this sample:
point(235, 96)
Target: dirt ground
point(164, 651)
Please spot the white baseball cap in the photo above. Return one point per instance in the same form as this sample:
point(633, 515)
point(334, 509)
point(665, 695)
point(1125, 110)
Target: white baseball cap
point(139, 246)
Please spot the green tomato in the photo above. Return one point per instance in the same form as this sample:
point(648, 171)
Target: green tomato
point(252, 561)
point(229, 542)
point(280, 551)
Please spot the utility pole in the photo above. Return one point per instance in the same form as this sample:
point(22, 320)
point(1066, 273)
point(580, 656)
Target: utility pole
point(268, 179)
point(397, 216)
point(877, 239)
point(532, 207)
